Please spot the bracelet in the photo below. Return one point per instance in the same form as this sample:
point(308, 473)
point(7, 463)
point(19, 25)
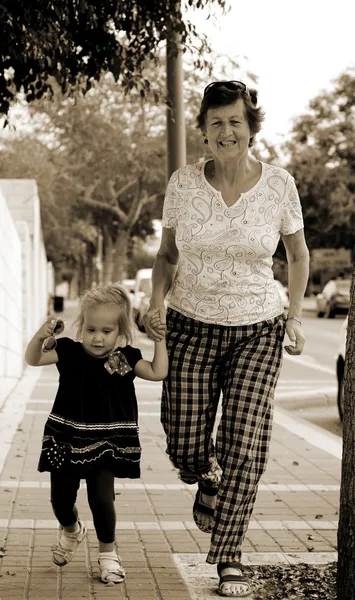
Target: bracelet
point(294, 319)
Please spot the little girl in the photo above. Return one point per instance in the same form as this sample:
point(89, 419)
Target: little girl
point(92, 430)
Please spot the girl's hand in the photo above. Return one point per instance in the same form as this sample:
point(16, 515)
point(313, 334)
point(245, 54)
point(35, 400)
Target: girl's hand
point(155, 323)
point(295, 333)
point(47, 329)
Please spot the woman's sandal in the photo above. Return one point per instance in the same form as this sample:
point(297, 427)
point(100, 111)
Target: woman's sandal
point(111, 570)
point(233, 579)
point(200, 508)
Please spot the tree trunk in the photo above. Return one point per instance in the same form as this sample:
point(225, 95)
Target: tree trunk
point(120, 254)
point(81, 276)
point(346, 530)
point(107, 257)
point(89, 268)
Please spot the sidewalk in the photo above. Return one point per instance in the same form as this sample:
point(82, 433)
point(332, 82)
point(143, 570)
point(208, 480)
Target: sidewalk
point(295, 516)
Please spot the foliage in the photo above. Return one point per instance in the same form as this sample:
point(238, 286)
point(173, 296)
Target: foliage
point(322, 159)
point(73, 42)
point(87, 155)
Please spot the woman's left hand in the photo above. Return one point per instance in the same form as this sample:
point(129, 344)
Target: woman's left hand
point(295, 333)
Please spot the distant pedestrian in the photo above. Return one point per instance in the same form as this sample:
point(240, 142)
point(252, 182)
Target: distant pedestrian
point(92, 429)
point(222, 222)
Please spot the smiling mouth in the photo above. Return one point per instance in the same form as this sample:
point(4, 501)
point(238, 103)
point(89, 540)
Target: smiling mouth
point(227, 144)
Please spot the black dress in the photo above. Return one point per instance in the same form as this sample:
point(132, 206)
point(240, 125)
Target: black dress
point(94, 419)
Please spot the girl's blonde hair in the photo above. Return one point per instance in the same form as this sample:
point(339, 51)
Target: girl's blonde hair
point(111, 294)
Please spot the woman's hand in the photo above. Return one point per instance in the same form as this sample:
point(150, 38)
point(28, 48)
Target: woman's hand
point(154, 322)
point(295, 333)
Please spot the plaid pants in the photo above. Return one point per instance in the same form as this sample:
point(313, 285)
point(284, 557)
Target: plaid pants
point(243, 363)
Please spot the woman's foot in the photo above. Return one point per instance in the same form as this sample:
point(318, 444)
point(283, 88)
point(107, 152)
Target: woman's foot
point(64, 550)
point(111, 570)
point(203, 511)
point(232, 581)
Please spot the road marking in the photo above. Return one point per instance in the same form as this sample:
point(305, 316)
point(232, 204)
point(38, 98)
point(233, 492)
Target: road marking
point(308, 361)
point(163, 525)
point(305, 383)
point(305, 393)
point(173, 487)
point(318, 437)
point(201, 578)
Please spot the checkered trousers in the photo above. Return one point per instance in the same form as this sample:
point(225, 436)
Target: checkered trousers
point(242, 363)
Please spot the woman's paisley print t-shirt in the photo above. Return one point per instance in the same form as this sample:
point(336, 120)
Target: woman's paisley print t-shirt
point(224, 274)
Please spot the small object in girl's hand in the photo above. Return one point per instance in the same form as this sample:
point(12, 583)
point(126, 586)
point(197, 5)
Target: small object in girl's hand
point(50, 343)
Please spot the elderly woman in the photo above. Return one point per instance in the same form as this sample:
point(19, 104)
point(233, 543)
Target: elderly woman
point(222, 221)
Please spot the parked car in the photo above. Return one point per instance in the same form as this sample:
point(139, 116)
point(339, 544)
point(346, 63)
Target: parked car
point(340, 365)
point(142, 309)
point(334, 299)
point(129, 285)
point(142, 290)
point(283, 293)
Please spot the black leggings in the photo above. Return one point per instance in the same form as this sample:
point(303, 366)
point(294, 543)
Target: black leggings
point(101, 498)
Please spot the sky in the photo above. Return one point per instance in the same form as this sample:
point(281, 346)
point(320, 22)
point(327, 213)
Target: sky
point(295, 49)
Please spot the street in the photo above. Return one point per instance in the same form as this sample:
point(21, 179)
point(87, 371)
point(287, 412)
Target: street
point(308, 385)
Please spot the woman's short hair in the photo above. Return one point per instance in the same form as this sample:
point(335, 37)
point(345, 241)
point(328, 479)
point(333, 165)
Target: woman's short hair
point(224, 95)
point(111, 294)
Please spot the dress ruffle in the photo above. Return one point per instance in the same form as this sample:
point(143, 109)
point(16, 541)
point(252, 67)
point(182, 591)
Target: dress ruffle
point(79, 447)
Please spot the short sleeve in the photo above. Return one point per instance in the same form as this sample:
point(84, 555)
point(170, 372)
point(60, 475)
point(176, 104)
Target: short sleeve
point(133, 355)
point(291, 218)
point(169, 219)
point(68, 352)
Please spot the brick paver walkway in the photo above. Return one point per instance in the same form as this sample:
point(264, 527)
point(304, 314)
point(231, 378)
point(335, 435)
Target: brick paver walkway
point(296, 511)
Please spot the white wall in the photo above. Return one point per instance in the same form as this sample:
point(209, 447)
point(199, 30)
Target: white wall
point(26, 278)
point(28, 325)
point(24, 205)
point(11, 350)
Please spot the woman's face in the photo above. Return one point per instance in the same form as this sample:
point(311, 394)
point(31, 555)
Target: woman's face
point(227, 131)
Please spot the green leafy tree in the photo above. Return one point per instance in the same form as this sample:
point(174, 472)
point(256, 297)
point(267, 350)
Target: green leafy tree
point(73, 42)
point(101, 159)
point(322, 159)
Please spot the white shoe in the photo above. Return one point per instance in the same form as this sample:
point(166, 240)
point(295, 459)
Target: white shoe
point(111, 570)
point(68, 544)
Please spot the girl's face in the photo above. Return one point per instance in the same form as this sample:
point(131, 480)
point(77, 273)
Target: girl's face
point(100, 329)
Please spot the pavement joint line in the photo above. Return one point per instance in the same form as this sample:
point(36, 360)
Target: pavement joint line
point(311, 433)
point(263, 487)
point(165, 525)
point(45, 412)
point(279, 395)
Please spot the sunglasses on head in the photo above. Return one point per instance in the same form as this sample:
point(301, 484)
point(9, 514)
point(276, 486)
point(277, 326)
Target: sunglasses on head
point(230, 85)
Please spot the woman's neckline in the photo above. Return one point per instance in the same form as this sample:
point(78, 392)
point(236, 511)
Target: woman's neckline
point(241, 195)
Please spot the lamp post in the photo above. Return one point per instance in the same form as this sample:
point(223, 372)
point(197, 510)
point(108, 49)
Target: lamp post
point(175, 117)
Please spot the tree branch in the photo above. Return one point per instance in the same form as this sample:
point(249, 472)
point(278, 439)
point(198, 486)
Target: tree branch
point(136, 205)
point(105, 208)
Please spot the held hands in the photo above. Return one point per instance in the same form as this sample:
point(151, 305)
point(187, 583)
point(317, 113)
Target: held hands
point(296, 336)
point(155, 323)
